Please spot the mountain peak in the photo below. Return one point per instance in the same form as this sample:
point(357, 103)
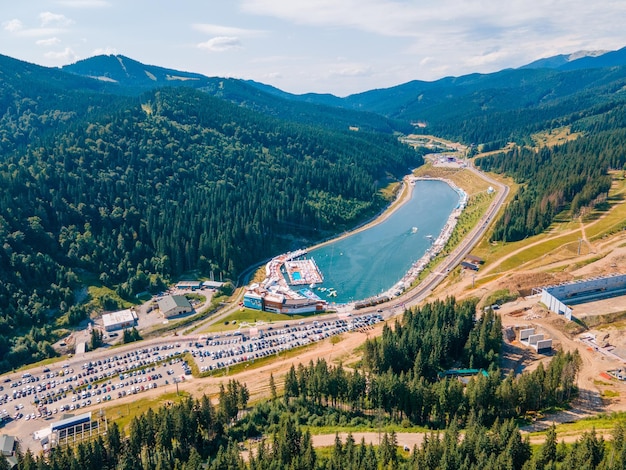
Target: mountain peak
point(126, 71)
point(580, 54)
point(580, 60)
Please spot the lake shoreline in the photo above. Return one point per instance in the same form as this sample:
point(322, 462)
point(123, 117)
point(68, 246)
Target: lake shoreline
point(382, 286)
point(404, 195)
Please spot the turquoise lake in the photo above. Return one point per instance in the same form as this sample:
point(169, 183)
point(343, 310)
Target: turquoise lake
point(370, 262)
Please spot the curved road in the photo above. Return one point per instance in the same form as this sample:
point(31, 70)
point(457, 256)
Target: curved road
point(419, 293)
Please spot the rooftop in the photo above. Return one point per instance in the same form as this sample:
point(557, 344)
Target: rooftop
point(172, 301)
point(122, 316)
point(7, 443)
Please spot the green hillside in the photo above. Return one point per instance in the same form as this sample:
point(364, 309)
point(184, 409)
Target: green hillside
point(122, 75)
point(134, 191)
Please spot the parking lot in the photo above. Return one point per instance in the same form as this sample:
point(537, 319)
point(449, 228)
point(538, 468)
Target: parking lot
point(218, 351)
point(31, 400)
point(71, 387)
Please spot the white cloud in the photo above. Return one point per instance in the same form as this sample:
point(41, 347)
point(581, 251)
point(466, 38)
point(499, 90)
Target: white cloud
point(48, 42)
point(52, 24)
point(12, 26)
point(486, 58)
point(48, 18)
point(15, 27)
point(84, 3)
point(220, 44)
point(39, 32)
point(66, 55)
point(104, 51)
point(351, 70)
point(226, 31)
point(277, 59)
point(385, 17)
point(415, 19)
point(458, 36)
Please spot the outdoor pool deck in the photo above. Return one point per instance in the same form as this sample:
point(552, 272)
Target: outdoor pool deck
point(303, 271)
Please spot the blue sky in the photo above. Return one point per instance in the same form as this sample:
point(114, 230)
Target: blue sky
point(323, 46)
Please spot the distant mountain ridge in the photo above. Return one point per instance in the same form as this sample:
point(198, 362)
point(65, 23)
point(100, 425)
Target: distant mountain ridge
point(131, 73)
point(122, 75)
point(557, 61)
point(534, 84)
point(609, 59)
point(581, 60)
point(537, 84)
point(550, 87)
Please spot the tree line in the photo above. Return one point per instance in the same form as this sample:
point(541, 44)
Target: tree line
point(404, 372)
point(568, 177)
point(195, 434)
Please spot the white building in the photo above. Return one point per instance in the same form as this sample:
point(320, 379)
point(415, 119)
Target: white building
point(119, 320)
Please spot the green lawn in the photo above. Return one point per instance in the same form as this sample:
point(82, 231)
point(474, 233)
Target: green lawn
point(611, 222)
point(601, 422)
point(122, 414)
point(250, 317)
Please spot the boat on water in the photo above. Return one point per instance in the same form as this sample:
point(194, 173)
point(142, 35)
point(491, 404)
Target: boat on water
point(414, 230)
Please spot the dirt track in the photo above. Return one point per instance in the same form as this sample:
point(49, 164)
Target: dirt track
point(411, 439)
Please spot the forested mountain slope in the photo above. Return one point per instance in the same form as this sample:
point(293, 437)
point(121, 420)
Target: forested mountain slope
point(493, 109)
point(123, 75)
point(132, 74)
point(36, 100)
point(572, 176)
point(136, 190)
point(488, 111)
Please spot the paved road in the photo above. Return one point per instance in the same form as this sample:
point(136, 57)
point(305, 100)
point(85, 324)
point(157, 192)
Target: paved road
point(424, 289)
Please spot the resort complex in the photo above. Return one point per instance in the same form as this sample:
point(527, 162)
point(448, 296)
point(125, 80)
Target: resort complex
point(277, 295)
